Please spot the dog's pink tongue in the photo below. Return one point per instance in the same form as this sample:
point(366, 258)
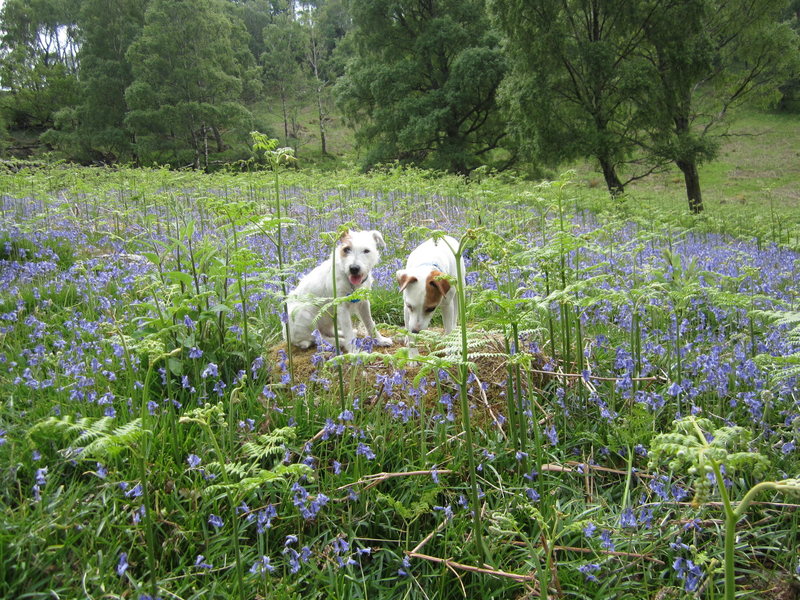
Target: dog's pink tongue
point(355, 279)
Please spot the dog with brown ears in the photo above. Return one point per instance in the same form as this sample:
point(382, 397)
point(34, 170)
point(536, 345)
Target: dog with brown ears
point(426, 284)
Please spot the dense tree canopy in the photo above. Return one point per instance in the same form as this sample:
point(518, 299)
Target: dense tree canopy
point(187, 79)
point(39, 45)
point(566, 94)
point(422, 85)
point(94, 128)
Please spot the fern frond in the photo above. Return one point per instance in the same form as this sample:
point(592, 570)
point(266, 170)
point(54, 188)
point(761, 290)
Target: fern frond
point(263, 477)
point(270, 444)
point(88, 437)
point(121, 438)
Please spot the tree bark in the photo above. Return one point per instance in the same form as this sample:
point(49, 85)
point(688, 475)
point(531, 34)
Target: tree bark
point(692, 179)
point(218, 138)
point(615, 186)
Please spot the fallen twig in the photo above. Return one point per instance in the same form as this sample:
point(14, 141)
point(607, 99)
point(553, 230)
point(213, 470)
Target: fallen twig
point(455, 565)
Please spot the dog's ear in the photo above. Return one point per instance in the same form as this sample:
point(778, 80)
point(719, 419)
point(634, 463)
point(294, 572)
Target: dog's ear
point(404, 279)
point(378, 239)
point(344, 236)
point(439, 280)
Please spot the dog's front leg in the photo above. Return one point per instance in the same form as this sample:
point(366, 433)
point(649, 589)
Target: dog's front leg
point(345, 323)
point(449, 314)
point(365, 314)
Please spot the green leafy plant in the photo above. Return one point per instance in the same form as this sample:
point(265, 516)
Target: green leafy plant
point(703, 452)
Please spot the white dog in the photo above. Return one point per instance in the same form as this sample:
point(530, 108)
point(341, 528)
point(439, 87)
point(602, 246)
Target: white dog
point(425, 285)
point(354, 257)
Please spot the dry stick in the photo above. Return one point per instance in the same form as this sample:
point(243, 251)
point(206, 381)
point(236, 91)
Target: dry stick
point(458, 577)
point(455, 565)
point(579, 375)
point(429, 537)
point(604, 469)
point(377, 478)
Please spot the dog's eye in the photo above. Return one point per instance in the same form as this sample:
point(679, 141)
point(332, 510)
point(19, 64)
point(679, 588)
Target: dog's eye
point(366, 251)
point(429, 310)
point(346, 250)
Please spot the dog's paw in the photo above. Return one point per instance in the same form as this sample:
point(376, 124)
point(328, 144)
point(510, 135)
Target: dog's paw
point(383, 341)
point(304, 345)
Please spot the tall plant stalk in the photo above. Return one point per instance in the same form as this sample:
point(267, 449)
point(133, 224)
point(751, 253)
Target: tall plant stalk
point(463, 376)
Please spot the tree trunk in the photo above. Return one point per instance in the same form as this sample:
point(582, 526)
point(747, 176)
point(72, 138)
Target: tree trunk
point(285, 117)
point(322, 118)
point(205, 147)
point(615, 186)
point(218, 138)
point(692, 179)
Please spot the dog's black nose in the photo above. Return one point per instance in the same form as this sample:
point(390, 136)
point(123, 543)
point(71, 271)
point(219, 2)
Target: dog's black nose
point(355, 269)
point(415, 331)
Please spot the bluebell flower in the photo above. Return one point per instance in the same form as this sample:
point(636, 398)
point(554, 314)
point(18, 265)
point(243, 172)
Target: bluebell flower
point(674, 389)
point(122, 565)
point(135, 491)
point(589, 529)
point(605, 540)
point(446, 510)
point(588, 570)
point(551, 434)
point(688, 572)
point(264, 518)
point(405, 565)
point(194, 461)
point(532, 494)
point(293, 558)
point(262, 566)
point(692, 524)
point(215, 521)
point(211, 370)
point(41, 476)
point(137, 515)
point(365, 451)
point(627, 518)
point(200, 562)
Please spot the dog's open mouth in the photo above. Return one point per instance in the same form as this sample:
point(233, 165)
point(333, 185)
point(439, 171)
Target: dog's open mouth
point(356, 279)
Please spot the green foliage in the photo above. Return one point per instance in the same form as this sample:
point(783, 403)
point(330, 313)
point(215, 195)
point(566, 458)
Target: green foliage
point(786, 366)
point(90, 438)
point(652, 83)
point(421, 88)
point(39, 66)
point(696, 448)
point(566, 94)
point(378, 470)
point(95, 128)
point(188, 81)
